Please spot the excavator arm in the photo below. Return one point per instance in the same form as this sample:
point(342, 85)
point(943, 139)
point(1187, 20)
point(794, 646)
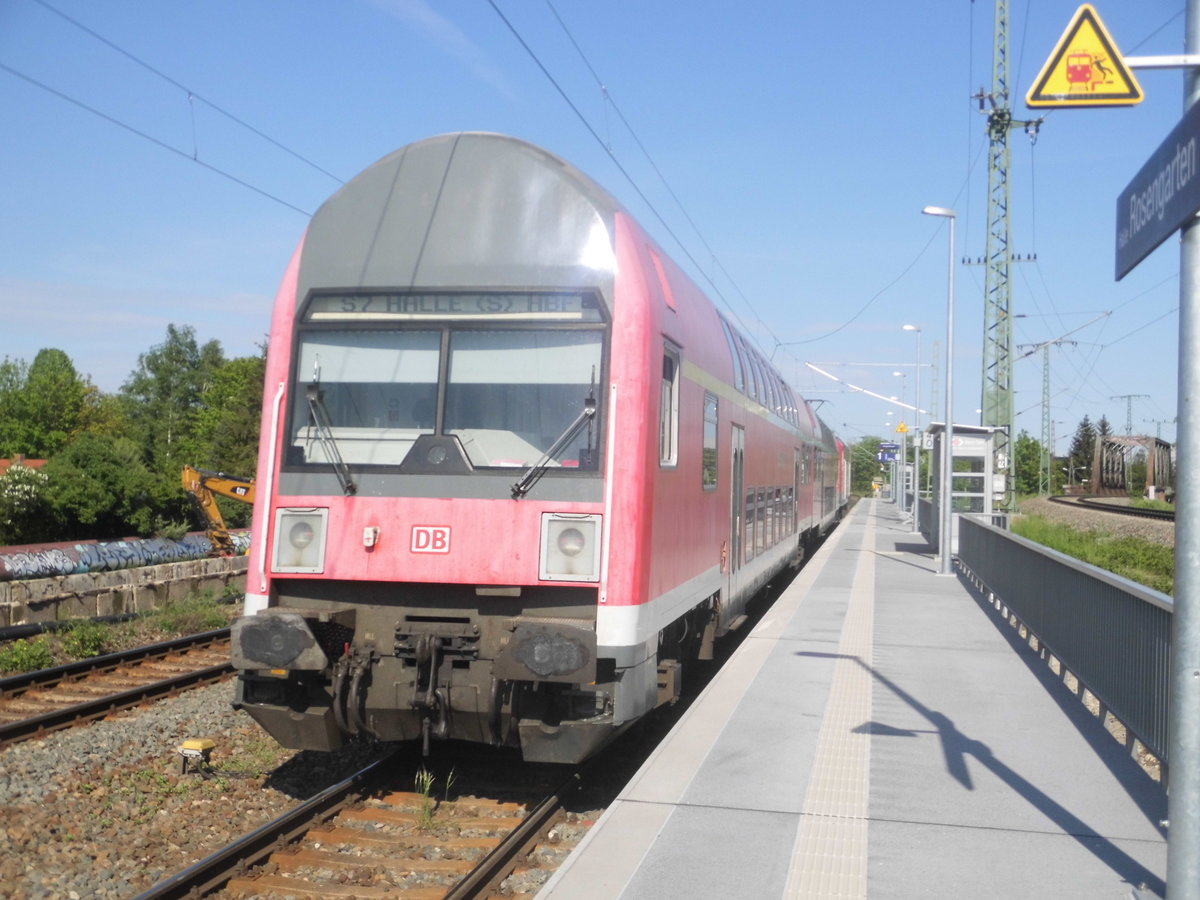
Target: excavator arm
point(203, 486)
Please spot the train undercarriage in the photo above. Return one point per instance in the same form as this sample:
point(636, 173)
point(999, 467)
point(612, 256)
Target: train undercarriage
point(430, 662)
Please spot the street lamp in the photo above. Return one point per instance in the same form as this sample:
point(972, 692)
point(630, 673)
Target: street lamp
point(944, 536)
point(916, 439)
point(903, 438)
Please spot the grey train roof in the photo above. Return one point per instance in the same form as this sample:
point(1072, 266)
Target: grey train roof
point(461, 210)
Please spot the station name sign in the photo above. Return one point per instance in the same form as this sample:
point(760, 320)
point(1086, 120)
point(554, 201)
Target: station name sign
point(360, 306)
point(1163, 195)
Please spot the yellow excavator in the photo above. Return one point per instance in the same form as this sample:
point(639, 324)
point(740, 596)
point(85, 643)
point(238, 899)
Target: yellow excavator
point(203, 486)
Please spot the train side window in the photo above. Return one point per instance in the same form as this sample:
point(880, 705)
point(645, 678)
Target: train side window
point(663, 281)
point(748, 544)
point(747, 365)
point(708, 462)
point(760, 522)
point(760, 393)
point(735, 355)
point(668, 411)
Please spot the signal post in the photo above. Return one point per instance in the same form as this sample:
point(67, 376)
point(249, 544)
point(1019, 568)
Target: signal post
point(1163, 198)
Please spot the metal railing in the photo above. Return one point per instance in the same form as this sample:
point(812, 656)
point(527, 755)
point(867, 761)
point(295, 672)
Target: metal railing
point(1112, 634)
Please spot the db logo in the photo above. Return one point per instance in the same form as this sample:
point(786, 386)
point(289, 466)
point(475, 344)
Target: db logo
point(430, 539)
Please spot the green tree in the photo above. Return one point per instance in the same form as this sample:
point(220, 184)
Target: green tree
point(14, 436)
point(41, 405)
point(53, 403)
point(1079, 455)
point(227, 427)
point(227, 421)
point(101, 488)
point(1027, 460)
point(162, 398)
point(864, 465)
point(1136, 474)
point(106, 415)
point(164, 393)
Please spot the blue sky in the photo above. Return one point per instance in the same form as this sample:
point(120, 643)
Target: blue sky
point(798, 141)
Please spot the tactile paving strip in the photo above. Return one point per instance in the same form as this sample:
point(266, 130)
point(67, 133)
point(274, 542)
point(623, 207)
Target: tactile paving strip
point(829, 858)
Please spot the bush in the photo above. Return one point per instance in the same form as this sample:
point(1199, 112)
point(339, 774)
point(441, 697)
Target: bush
point(86, 639)
point(24, 509)
point(26, 656)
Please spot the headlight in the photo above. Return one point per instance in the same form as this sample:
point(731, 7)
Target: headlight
point(571, 541)
point(300, 540)
point(570, 547)
point(301, 535)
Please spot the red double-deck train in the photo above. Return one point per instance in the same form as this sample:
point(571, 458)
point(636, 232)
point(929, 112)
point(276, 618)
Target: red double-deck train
point(515, 469)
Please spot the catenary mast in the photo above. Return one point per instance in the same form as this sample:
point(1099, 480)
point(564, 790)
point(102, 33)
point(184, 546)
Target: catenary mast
point(997, 400)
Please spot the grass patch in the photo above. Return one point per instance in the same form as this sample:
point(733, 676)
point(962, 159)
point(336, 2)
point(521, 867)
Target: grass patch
point(196, 613)
point(83, 638)
point(1142, 561)
point(1143, 503)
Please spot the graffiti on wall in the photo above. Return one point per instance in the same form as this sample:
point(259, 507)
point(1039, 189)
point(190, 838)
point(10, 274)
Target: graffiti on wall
point(50, 560)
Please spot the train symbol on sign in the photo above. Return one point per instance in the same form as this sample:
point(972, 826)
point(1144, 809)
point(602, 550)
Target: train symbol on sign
point(1087, 70)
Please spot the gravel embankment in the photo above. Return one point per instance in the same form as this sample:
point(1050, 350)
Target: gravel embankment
point(1084, 519)
point(102, 811)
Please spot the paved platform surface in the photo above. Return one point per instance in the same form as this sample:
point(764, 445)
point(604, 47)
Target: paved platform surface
point(880, 734)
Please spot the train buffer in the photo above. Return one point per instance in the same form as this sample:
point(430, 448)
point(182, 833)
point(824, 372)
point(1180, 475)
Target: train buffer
point(882, 733)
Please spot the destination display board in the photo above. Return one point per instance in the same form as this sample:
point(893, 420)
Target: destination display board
point(364, 306)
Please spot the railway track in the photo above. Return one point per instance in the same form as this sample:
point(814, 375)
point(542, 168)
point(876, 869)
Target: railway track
point(1117, 508)
point(361, 839)
point(34, 703)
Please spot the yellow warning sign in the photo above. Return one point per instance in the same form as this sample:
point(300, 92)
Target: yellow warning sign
point(1085, 69)
point(901, 428)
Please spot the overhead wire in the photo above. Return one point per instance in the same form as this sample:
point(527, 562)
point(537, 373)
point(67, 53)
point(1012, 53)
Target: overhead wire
point(1089, 372)
point(610, 101)
point(917, 258)
point(613, 156)
point(153, 140)
point(191, 94)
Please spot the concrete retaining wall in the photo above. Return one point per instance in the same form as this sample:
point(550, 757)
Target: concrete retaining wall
point(111, 593)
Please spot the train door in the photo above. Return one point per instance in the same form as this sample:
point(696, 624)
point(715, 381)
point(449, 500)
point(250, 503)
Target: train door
point(737, 517)
point(819, 487)
point(798, 484)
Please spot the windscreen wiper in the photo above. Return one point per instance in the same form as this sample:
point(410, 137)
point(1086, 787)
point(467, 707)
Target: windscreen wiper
point(320, 415)
point(534, 472)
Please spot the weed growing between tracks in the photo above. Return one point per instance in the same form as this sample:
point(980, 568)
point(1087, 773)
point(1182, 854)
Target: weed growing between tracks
point(424, 783)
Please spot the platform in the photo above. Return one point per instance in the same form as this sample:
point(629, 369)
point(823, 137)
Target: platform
point(882, 734)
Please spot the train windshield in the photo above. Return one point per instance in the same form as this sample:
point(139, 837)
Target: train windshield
point(510, 394)
point(506, 394)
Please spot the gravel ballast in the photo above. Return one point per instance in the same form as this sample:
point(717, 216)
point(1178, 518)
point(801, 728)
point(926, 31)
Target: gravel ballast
point(103, 810)
point(1082, 518)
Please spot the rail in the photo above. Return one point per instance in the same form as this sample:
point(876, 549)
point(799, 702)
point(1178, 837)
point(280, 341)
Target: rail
point(214, 871)
point(223, 867)
point(54, 717)
point(1113, 634)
